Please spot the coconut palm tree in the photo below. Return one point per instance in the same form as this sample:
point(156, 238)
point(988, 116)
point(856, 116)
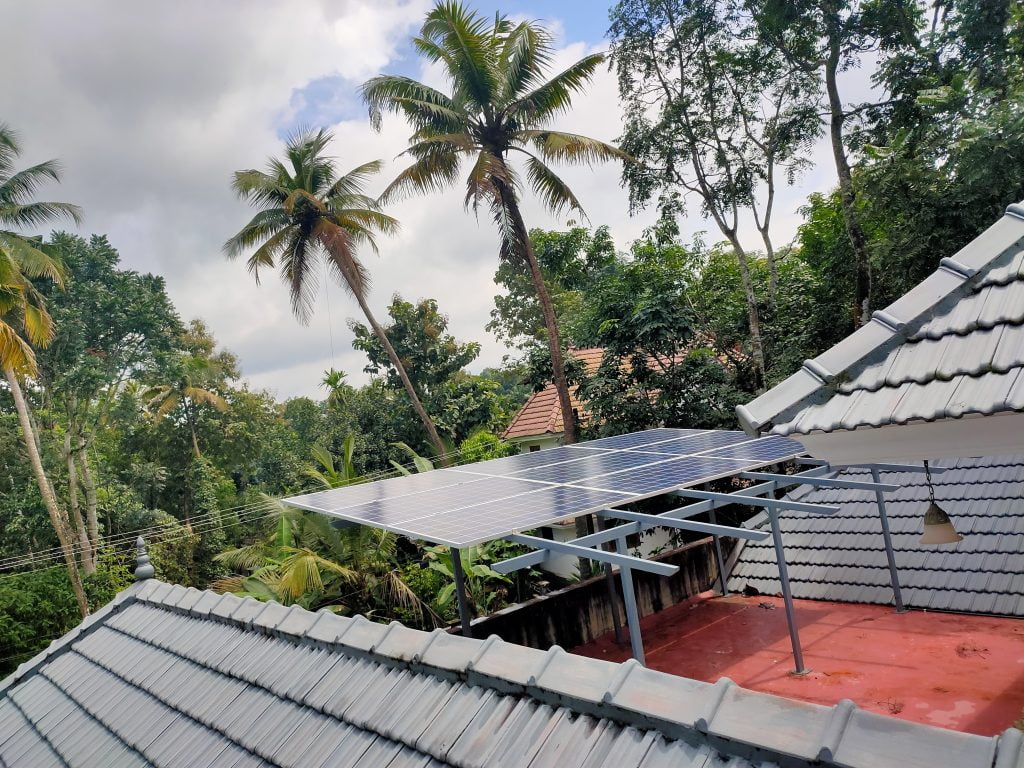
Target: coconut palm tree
point(500, 106)
point(308, 212)
point(191, 388)
point(24, 320)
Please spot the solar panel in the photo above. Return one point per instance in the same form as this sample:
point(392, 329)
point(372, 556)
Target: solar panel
point(393, 487)
point(601, 463)
point(764, 450)
point(491, 499)
point(635, 439)
point(697, 443)
point(526, 461)
point(667, 475)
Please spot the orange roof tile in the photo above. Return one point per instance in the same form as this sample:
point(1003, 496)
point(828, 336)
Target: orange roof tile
point(541, 415)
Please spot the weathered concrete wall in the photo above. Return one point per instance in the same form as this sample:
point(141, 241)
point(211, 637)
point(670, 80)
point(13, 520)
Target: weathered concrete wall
point(577, 614)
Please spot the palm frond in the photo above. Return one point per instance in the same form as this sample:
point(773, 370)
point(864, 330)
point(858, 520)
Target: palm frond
point(555, 96)
point(206, 397)
point(352, 183)
point(15, 352)
point(262, 227)
point(526, 54)
point(431, 173)
point(19, 186)
point(38, 213)
point(421, 105)
point(560, 146)
point(460, 39)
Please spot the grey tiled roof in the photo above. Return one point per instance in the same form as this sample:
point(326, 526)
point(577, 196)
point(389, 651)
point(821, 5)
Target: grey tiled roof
point(841, 557)
point(169, 676)
point(953, 346)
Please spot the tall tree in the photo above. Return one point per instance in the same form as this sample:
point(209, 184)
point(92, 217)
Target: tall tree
point(500, 105)
point(711, 115)
point(111, 325)
point(824, 38)
point(307, 212)
point(193, 381)
point(23, 311)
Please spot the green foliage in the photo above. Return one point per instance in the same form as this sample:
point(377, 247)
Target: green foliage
point(435, 361)
point(38, 606)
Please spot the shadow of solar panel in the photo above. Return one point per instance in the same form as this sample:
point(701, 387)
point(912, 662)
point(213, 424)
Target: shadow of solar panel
point(667, 475)
point(696, 443)
point(595, 464)
point(525, 461)
point(766, 450)
point(635, 439)
point(394, 487)
point(492, 520)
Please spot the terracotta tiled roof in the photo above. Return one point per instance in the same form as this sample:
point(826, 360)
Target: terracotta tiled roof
point(540, 415)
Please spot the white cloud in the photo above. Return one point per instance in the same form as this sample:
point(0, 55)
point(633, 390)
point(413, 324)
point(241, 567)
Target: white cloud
point(151, 106)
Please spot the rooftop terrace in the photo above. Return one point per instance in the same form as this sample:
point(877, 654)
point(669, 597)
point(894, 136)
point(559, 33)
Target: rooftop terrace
point(956, 671)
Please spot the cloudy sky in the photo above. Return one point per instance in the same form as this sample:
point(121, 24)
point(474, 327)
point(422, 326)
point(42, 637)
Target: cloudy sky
point(151, 106)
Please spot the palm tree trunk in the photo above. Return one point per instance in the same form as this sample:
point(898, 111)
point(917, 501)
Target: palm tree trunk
point(410, 390)
point(547, 310)
point(847, 194)
point(57, 519)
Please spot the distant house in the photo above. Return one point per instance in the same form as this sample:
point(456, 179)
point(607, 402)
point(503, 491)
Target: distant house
point(538, 424)
point(167, 676)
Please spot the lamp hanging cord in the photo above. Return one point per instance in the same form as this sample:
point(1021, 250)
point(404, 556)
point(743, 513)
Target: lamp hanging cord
point(931, 487)
point(928, 477)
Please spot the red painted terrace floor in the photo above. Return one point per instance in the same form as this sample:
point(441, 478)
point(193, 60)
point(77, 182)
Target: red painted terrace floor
point(951, 670)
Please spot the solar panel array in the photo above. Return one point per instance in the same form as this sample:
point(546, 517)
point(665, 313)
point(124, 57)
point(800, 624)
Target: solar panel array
point(488, 500)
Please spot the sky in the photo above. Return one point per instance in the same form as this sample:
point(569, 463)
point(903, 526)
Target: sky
point(151, 106)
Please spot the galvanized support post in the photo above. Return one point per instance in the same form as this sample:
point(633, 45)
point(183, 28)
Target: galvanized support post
point(894, 576)
point(460, 592)
point(718, 553)
point(629, 599)
point(787, 595)
point(609, 580)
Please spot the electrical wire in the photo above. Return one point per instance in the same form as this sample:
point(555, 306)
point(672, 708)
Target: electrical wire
point(199, 524)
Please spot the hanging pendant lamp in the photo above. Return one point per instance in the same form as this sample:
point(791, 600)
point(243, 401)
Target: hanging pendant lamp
point(938, 528)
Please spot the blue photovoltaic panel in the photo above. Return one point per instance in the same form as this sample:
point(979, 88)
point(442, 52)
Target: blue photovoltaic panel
point(596, 464)
point(530, 510)
point(390, 513)
point(360, 493)
point(765, 450)
point(635, 439)
point(490, 499)
point(667, 475)
point(525, 461)
point(688, 446)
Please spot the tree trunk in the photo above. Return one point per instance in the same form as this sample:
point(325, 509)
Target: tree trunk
point(84, 546)
point(410, 390)
point(548, 310)
point(89, 488)
point(558, 377)
point(57, 519)
point(847, 194)
point(753, 315)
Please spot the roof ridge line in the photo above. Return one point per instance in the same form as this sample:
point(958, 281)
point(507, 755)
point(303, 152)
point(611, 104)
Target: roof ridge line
point(520, 671)
point(949, 280)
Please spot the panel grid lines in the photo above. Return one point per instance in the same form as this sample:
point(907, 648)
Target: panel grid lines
point(488, 500)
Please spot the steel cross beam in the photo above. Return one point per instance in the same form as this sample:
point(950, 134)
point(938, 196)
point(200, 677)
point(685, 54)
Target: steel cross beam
point(808, 462)
point(531, 559)
point(757, 501)
point(825, 482)
point(613, 558)
point(686, 525)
